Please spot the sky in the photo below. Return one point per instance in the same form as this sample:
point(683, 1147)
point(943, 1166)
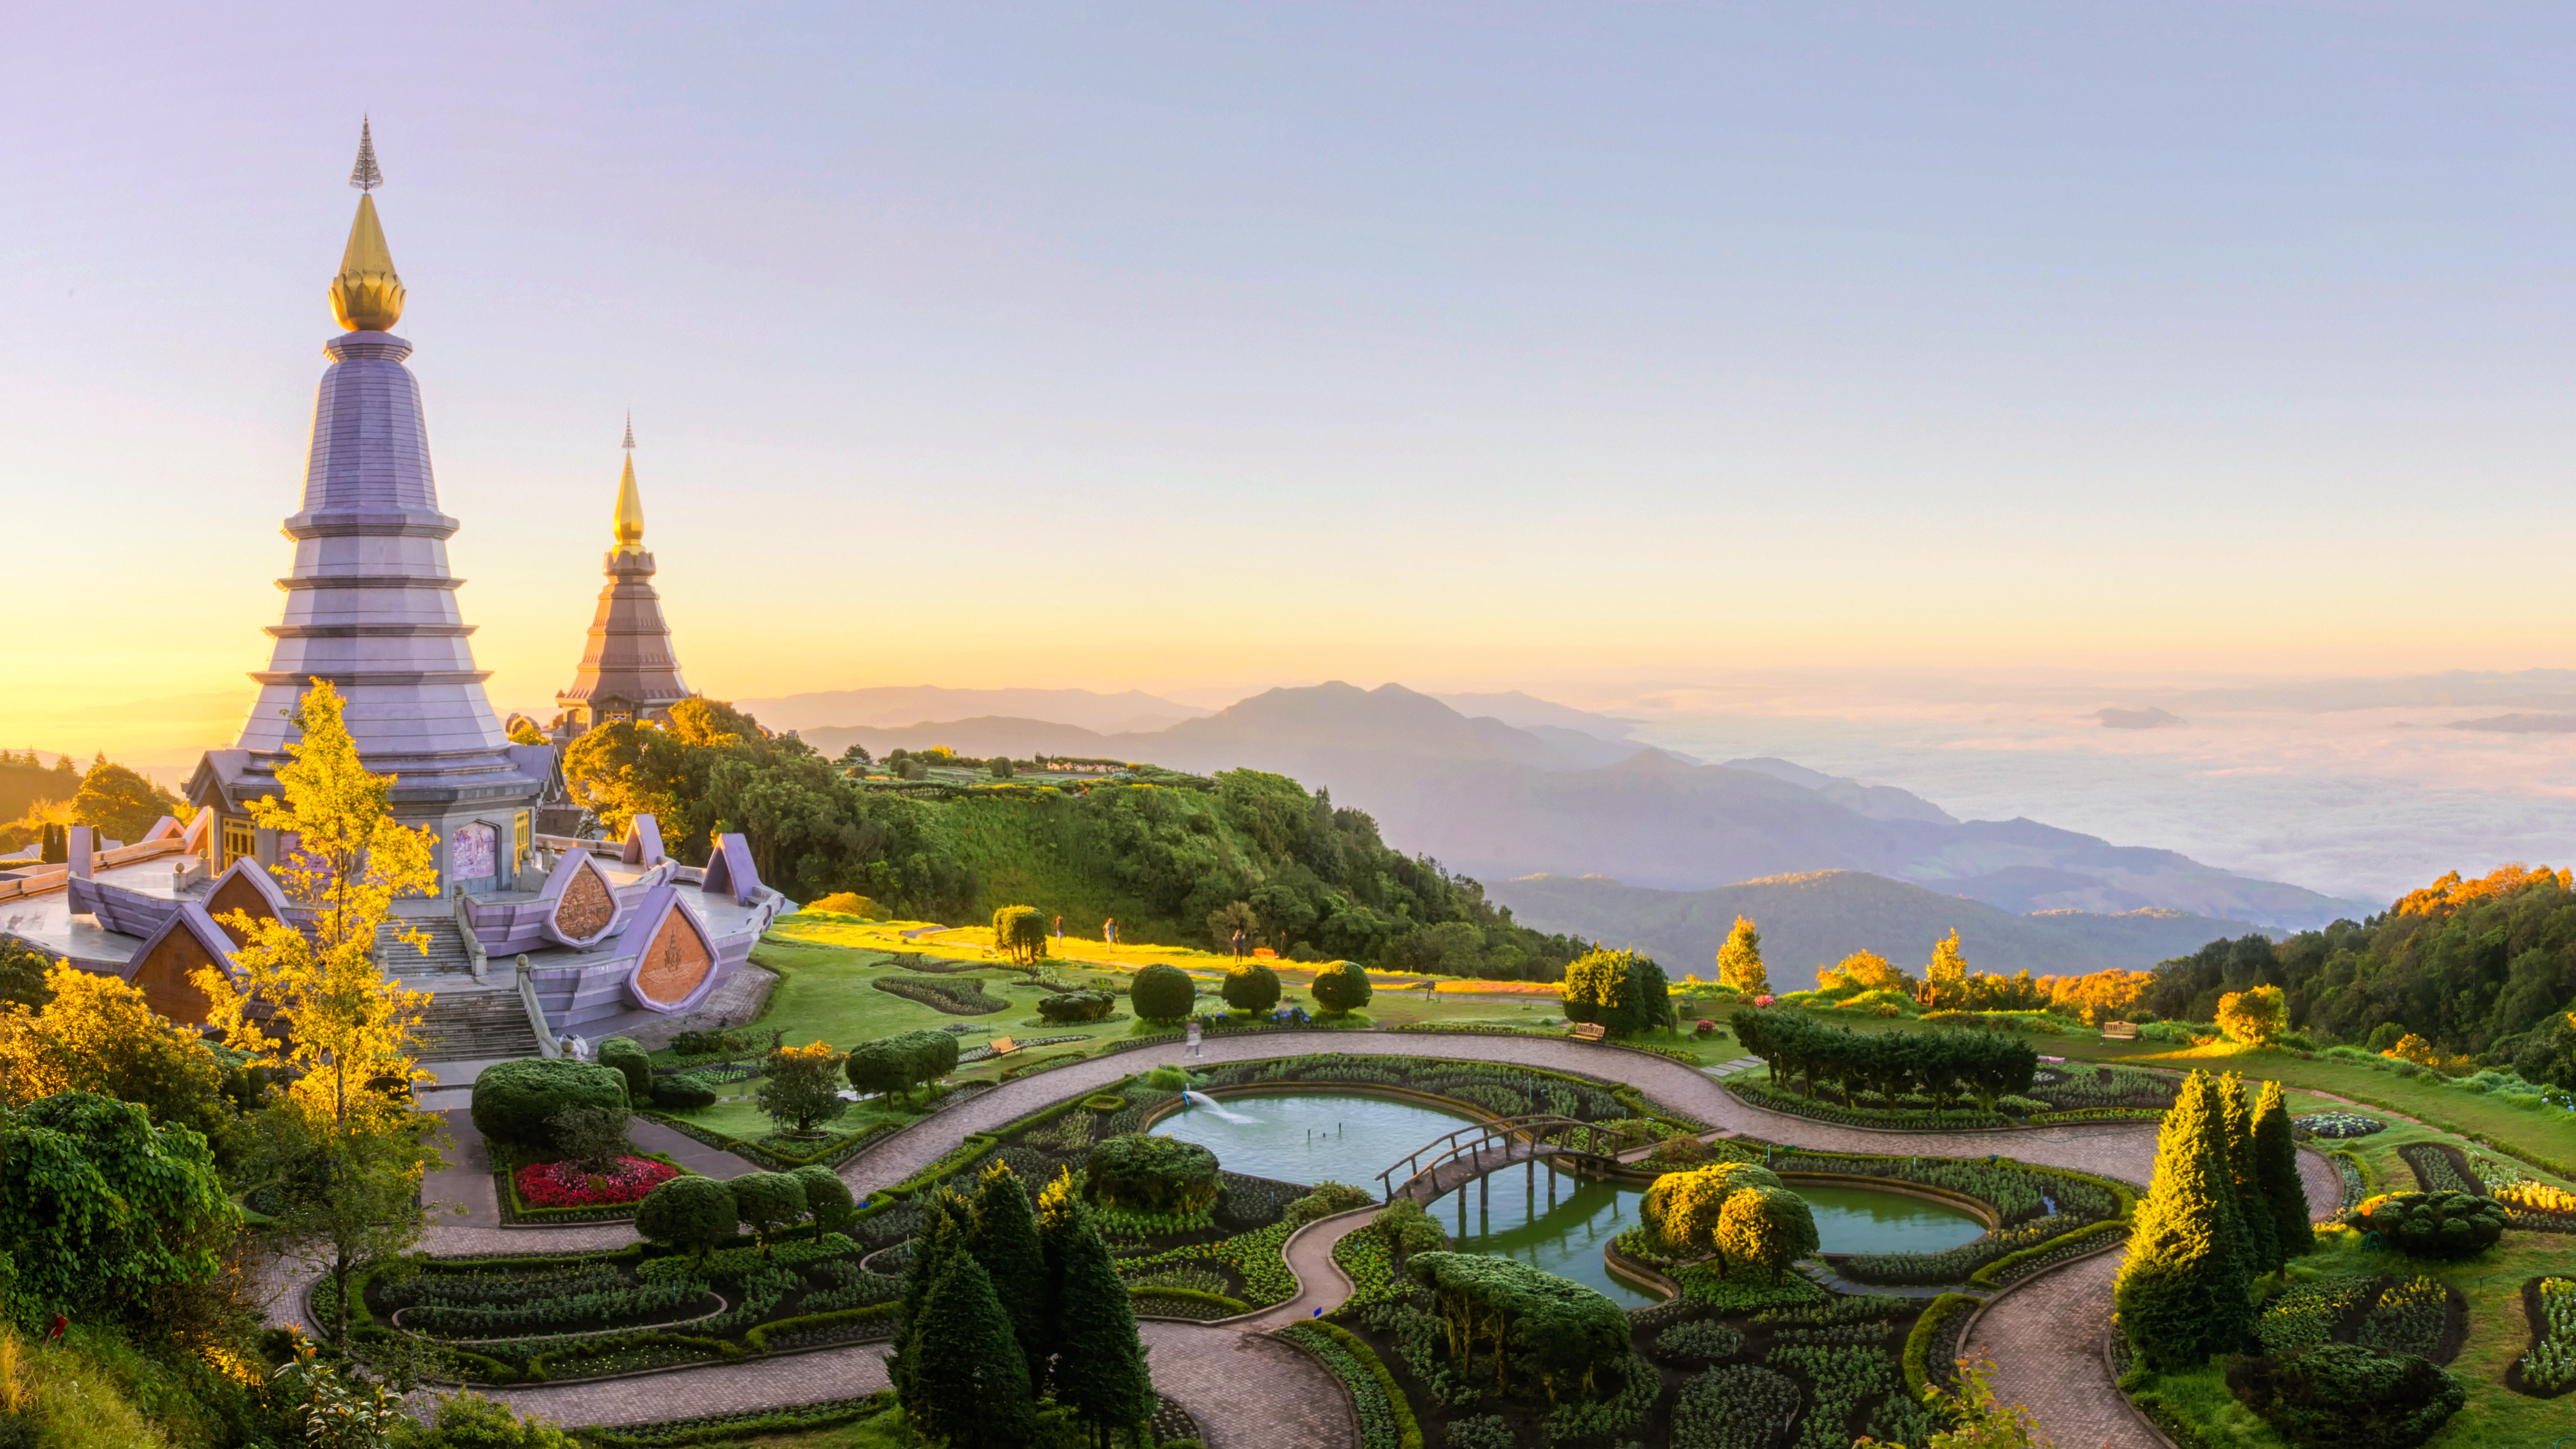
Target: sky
point(1204, 348)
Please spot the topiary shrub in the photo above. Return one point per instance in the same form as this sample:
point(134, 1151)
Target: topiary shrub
point(767, 1201)
point(1138, 1173)
point(1328, 1198)
point(695, 1213)
point(1251, 986)
point(1409, 1227)
point(682, 1094)
point(1071, 1006)
point(827, 1198)
point(2433, 1224)
point(2341, 1394)
point(1342, 988)
point(629, 1057)
point(1162, 993)
point(514, 1101)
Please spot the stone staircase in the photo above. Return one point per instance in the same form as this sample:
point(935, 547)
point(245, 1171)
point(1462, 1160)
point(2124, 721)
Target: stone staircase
point(447, 954)
point(461, 1026)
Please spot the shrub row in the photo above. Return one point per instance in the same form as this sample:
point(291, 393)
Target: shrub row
point(1941, 1064)
point(729, 1428)
point(1386, 1420)
point(1920, 1344)
point(831, 1154)
point(2015, 1266)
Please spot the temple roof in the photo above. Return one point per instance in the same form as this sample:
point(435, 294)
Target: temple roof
point(629, 662)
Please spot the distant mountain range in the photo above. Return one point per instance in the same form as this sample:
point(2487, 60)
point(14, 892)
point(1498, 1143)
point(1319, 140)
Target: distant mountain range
point(1499, 801)
point(1814, 920)
point(1133, 710)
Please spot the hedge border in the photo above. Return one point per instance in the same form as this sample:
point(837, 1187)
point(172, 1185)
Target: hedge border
point(516, 1214)
point(759, 1156)
point(718, 1428)
point(757, 1336)
point(1408, 1430)
point(1232, 1306)
point(1993, 1274)
point(1871, 1119)
point(1918, 1342)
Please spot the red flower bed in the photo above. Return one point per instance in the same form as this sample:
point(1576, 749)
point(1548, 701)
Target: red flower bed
point(565, 1185)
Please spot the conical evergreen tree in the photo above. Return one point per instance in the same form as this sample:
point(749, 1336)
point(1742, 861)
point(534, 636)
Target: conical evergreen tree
point(2181, 1294)
point(942, 1237)
point(1005, 1240)
point(1100, 1362)
point(969, 1388)
point(2276, 1167)
point(2254, 1215)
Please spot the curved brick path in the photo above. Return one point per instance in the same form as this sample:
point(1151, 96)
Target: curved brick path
point(1247, 1389)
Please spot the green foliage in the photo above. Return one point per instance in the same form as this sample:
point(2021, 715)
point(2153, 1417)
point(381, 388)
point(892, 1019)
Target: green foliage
point(2181, 1294)
point(1020, 932)
point(1566, 1332)
point(1700, 1341)
point(1620, 990)
point(682, 1093)
point(1740, 1406)
point(2255, 1242)
point(1161, 993)
point(767, 1201)
point(1342, 987)
point(1681, 1209)
point(800, 1086)
point(1138, 1173)
point(514, 1101)
point(120, 803)
point(1386, 1420)
point(1100, 1362)
point(1251, 986)
point(688, 1212)
point(827, 1198)
point(1002, 1234)
point(968, 1386)
point(1768, 1227)
point(2305, 1314)
point(2339, 1394)
point(1075, 1006)
point(2433, 1224)
point(595, 1137)
point(2551, 1364)
point(22, 975)
point(628, 1057)
point(2276, 1174)
point(100, 1209)
point(470, 1421)
point(899, 1063)
point(1942, 1064)
point(1328, 1198)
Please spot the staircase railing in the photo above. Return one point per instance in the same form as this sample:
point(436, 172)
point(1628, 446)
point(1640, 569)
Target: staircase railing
point(476, 960)
point(545, 1033)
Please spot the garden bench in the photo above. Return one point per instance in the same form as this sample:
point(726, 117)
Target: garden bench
point(1003, 1046)
point(2119, 1031)
point(1587, 1031)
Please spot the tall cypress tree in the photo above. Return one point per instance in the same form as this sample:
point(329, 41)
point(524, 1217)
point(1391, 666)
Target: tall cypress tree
point(2276, 1167)
point(942, 1238)
point(2254, 1215)
point(969, 1387)
point(1005, 1240)
point(1100, 1362)
point(2181, 1294)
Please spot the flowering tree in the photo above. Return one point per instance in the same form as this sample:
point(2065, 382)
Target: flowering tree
point(345, 1144)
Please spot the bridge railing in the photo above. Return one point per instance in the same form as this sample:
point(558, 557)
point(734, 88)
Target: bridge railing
point(1545, 1133)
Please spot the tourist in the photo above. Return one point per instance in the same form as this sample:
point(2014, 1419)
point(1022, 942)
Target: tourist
point(1238, 943)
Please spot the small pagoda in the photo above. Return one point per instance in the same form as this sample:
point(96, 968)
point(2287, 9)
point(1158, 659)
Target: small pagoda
point(629, 670)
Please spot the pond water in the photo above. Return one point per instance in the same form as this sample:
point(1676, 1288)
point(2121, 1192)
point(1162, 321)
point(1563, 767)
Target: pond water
point(1555, 1222)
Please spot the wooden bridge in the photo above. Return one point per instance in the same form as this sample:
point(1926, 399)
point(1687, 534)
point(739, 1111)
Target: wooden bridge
point(1452, 1161)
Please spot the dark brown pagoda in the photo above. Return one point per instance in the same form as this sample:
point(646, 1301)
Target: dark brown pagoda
point(629, 670)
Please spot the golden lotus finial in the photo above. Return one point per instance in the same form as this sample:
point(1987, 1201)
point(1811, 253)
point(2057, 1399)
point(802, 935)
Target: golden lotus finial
point(630, 504)
point(367, 296)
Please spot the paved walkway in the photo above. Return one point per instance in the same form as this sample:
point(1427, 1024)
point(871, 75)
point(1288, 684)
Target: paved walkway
point(2046, 1340)
point(1248, 1390)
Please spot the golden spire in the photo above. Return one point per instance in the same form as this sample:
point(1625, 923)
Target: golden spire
point(630, 504)
point(367, 296)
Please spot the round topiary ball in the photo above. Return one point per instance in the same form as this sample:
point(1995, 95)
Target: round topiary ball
point(1342, 988)
point(514, 1101)
point(628, 1056)
point(767, 1201)
point(1138, 1173)
point(2433, 1224)
point(827, 1198)
point(682, 1094)
point(687, 1212)
point(1251, 987)
point(1162, 993)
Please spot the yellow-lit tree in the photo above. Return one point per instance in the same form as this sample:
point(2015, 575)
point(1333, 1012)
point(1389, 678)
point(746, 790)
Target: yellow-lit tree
point(1739, 961)
point(344, 1145)
point(1945, 981)
point(2254, 1017)
point(97, 1034)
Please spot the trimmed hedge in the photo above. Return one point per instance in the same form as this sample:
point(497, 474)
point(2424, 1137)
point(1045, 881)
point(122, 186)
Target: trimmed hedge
point(1190, 1295)
point(758, 1336)
point(2013, 1266)
point(1977, 1065)
point(1351, 1360)
point(1918, 1344)
point(514, 1101)
point(729, 1428)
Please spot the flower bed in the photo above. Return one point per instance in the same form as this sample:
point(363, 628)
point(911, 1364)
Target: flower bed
point(544, 1185)
point(2337, 1124)
point(2549, 1369)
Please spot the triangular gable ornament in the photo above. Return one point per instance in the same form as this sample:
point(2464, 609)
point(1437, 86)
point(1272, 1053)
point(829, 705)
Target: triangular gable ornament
point(165, 969)
point(580, 903)
point(643, 842)
point(245, 887)
point(730, 871)
point(674, 953)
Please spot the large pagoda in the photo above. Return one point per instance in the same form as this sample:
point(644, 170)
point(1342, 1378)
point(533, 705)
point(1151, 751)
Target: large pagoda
point(371, 607)
point(629, 670)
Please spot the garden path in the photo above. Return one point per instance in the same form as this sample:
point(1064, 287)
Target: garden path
point(1246, 1389)
point(2046, 1340)
point(2123, 1150)
point(687, 1151)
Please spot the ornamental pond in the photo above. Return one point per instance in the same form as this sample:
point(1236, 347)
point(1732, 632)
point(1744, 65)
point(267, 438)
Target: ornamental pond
point(1555, 1223)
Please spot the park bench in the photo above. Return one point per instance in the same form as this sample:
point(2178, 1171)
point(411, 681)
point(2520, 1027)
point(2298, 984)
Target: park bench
point(1587, 1031)
point(1003, 1046)
point(2119, 1031)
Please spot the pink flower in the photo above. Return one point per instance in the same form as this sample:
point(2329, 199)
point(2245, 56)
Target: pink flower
point(1762, 1001)
point(565, 1185)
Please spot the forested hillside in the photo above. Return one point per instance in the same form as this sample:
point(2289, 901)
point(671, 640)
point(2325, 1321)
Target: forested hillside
point(2469, 965)
point(1167, 855)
